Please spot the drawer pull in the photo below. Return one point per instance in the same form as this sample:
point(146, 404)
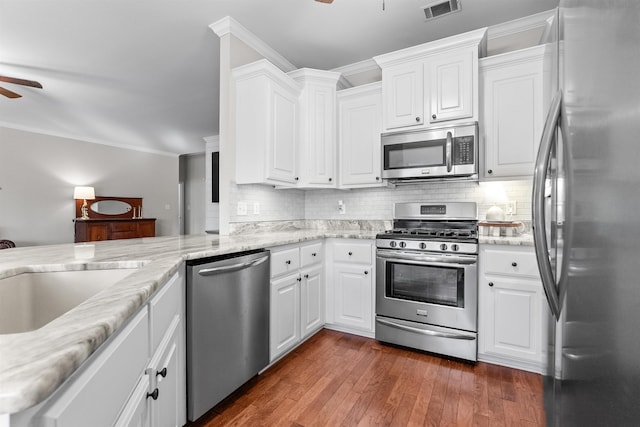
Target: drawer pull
point(288, 261)
point(314, 254)
point(299, 279)
point(162, 373)
point(306, 276)
point(366, 272)
point(154, 394)
point(490, 283)
point(514, 264)
point(350, 253)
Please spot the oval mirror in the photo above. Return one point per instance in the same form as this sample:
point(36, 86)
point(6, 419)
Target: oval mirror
point(110, 207)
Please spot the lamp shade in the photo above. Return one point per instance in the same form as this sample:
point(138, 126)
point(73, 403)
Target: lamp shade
point(86, 193)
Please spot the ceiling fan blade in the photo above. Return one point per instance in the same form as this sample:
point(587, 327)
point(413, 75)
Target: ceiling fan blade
point(23, 82)
point(325, 1)
point(8, 93)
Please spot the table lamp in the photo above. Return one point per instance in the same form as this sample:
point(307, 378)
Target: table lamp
point(84, 193)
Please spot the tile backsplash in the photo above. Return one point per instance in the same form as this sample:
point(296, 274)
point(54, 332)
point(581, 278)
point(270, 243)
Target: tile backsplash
point(370, 203)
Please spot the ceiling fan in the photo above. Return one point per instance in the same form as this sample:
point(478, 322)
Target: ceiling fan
point(325, 1)
point(11, 94)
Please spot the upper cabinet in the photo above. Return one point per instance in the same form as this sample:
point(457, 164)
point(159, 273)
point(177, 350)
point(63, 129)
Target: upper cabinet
point(359, 129)
point(433, 82)
point(512, 115)
point(266, 125)
point(285, 126)
point(317, 128)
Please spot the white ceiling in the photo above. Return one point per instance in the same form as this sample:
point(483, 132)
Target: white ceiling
point(144, 73)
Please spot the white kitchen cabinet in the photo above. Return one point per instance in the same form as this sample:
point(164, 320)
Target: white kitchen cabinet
point(317, 140)
point(266, 119)
point(402, 89)
point(451, 82)
point(359, 130)
point(116, 384)
point(512, 114)
point(284, 314)
point(438, 80)
point(512, 308)
point(350, 282)
point(297, 295)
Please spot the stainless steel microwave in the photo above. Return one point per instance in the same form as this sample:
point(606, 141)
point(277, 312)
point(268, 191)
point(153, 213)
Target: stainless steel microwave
point(442, 152)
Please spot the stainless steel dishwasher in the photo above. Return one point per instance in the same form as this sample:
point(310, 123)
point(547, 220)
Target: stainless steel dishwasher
point(227, 326)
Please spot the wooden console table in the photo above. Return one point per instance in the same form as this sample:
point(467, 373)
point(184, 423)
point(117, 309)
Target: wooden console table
point(91, 230)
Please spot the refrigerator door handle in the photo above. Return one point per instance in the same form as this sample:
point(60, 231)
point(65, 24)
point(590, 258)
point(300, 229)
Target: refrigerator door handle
point(538, 219)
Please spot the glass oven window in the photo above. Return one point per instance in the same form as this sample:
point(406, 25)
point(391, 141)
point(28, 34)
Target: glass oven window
point(414, 155)
point(425, 283)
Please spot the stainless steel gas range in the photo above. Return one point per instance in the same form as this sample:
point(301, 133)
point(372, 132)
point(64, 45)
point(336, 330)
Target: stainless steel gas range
point(427, 279)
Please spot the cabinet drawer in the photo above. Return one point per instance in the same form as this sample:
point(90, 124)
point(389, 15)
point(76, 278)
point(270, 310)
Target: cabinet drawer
point(284, 261)
point(99, 393)
point(311, 254)
point(510, 262)
point(352, 252)
point(163, 308)
point(120, 227)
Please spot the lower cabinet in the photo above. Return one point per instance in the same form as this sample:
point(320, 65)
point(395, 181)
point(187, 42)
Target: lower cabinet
point(350, 282)
point(512, 308)
point(297, 295)
point(136, 379)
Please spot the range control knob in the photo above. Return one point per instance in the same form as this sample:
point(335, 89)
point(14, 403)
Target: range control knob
point(403, 244)
point(455, 247)
point(423, 245)
point(393, 243)
point(443, 247)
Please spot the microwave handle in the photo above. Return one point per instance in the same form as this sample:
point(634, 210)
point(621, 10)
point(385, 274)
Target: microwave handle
point(448, 151)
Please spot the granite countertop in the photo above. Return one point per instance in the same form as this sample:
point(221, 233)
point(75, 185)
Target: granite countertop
point(34, 364)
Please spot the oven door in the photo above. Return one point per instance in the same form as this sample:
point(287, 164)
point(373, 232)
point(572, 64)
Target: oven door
point(433, 288)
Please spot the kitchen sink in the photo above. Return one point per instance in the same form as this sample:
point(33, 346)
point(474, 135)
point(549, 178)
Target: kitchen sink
point(28, 301)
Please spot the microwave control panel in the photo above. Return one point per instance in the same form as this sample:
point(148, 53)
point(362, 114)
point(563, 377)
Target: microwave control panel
point(463, 150)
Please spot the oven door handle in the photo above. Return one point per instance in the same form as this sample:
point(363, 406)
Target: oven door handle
point(425, 331)
point(419, 258)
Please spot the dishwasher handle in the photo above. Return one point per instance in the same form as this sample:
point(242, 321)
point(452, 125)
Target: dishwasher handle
point(230, 268)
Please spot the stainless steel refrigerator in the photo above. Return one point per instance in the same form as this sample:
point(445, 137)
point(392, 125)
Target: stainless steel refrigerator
point(586, 216)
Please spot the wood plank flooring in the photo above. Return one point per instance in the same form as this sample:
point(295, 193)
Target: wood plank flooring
point(337, 379)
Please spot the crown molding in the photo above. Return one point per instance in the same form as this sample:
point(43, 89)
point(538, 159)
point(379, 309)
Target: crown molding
point(228, 25)
point(358, 67)
point(538, 20)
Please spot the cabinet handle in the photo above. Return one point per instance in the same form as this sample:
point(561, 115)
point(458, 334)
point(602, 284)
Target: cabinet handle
point(330, 179)
point(313, 254)
point(366, 272)
point(288, 261)
point(377, 178)
point(490, 171)
point(306, 276)
point(154, 394)
point(299, 279)
point(297, 178)
point(350, 253)
point(490, 283)
point(514, 264)
point(162, 373)
point(433, 116)
point(418, 119)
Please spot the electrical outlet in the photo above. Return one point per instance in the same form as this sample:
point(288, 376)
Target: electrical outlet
point(511, 207)
point(342, 209)
point(256, 208)
point(242, 208)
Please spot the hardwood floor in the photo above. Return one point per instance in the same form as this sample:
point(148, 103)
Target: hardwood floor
point(338, 379)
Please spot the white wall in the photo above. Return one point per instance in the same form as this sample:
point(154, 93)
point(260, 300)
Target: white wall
point(38, 173)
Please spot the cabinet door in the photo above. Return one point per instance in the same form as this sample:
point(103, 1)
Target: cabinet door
point(167, 409)
point(511, 319)
point(353, 294)
point(98, 232)
point(403, 94)
point(513, 118)
point(136, 412)
point(285, 314)
point(450, 82)
point(360, 121)
point(281, 155)
point(311, 300)
point(147, 228)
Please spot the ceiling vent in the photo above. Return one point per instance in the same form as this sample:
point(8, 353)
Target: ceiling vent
point(441, 8)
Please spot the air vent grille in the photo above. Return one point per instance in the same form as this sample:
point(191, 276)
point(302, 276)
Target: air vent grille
point(440, 8)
